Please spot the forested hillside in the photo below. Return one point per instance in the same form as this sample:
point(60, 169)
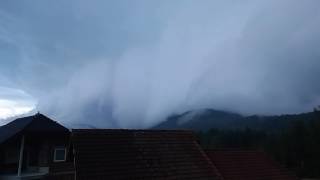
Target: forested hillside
point(203, 120)
point(297, 146)
point(293, 140)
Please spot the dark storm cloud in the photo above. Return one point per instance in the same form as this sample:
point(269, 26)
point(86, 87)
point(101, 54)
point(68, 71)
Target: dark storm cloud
point(132, 63)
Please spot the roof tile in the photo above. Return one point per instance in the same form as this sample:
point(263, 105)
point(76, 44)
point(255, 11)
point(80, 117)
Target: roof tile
point(140, 154)
point(248, 165)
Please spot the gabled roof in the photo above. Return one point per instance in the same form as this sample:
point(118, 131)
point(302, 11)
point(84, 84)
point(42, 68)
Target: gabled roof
point(139, 154)
point(35, 123)
point(248, 165)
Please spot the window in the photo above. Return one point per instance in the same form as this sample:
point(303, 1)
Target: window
point(59, 154)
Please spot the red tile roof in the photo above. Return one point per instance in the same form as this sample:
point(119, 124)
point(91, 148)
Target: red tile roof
point(139, 154)
point(248, 165)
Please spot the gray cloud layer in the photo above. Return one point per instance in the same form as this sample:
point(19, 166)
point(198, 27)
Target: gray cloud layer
point(132, 63)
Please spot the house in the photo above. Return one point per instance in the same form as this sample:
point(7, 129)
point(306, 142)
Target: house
point(37, 147)
point(247, 165)
point(30, 145)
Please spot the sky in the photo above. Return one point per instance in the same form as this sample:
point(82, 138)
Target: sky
point(131, 64)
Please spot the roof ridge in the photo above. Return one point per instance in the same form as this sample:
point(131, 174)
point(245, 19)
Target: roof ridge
point(14, 127)
point(205, 155)
point(20, 124)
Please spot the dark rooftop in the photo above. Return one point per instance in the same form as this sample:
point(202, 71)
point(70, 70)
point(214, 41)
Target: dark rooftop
point(140, 154)
point(35, 123)
point(248, 165)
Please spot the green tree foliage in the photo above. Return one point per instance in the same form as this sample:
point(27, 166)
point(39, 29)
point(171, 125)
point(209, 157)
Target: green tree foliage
point(296, 146)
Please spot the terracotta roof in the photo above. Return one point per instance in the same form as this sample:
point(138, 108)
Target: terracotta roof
point(35, 123)
point(248, 165)
point(139, 154)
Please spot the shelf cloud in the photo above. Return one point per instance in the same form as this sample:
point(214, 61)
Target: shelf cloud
point(130, 64)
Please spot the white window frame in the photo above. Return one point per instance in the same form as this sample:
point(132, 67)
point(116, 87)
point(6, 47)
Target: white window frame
point(55, 154)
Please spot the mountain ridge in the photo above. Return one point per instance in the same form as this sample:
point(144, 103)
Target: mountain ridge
point(205, 119)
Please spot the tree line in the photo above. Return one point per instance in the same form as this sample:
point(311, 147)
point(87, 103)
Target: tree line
point(296, 145)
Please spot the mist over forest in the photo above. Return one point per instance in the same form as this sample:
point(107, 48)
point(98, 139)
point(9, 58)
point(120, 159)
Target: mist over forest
point(125, 64)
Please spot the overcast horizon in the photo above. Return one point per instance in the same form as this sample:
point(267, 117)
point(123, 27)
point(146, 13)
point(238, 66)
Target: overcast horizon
point(131, 64)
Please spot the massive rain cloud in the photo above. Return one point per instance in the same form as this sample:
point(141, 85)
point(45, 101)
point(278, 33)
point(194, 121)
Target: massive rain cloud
point(131, 64)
